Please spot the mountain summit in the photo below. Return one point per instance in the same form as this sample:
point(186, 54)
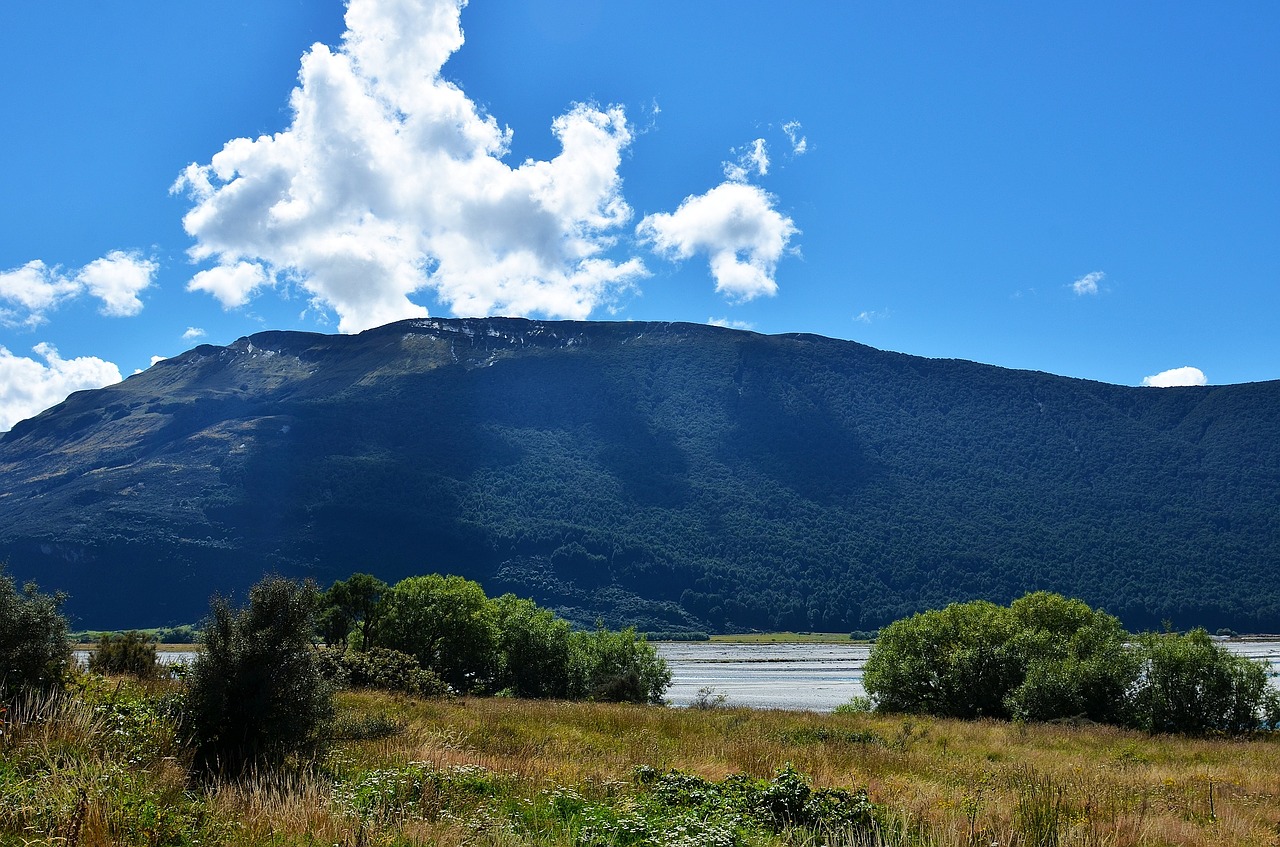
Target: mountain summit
point(671, 476)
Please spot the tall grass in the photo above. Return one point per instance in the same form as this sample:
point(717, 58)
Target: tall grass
point(103, 765)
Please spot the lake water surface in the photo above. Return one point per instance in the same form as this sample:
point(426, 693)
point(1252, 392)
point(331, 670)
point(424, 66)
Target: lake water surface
point(812, 677)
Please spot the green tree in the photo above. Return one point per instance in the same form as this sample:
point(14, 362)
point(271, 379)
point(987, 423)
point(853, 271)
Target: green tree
point(1074, 661)
point(1191, 685)
point(349, 604)
point(446, 623)
point(953, 662)
point(131, 652)
point(34, 652)
point(619, 667)
point(255, 694)
point(533, 649)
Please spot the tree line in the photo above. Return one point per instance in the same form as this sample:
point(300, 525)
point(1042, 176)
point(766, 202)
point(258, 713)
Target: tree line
point(1046, 658)
point(261, 690)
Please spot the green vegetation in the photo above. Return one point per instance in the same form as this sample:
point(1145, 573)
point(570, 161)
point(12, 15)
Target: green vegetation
point(130, 652)
point(671, 477)
point(457, 635)
point(255, 695)
point(1047, 658)
point(104, 765)
point(34, 653)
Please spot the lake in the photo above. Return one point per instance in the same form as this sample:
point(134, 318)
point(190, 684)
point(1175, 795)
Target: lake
point(812, 677)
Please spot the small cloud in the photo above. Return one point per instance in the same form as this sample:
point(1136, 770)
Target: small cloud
point(1088, 284)
point(231, 284)
point(116, 279)
point(35, 289)
point(730, 324)
point(867, 316)
point(192, 333)
point(799, 144)
point(753, 159)
point(28, 386)
point(1176, 377)
point(736, 225)
point(155, 359)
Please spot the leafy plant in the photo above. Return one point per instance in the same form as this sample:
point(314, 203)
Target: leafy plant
point(255, 694)
point(128, 653)
point(34, 652)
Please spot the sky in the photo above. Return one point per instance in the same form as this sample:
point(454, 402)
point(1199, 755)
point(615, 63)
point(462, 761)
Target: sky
point(1089, 189)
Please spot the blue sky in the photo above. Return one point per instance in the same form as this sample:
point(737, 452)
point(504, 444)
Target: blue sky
point(1088, 189)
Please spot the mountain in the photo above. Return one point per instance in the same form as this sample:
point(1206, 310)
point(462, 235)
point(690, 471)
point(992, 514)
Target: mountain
point(672, 476)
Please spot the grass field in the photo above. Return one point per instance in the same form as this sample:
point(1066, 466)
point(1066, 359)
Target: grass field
point(104, 766)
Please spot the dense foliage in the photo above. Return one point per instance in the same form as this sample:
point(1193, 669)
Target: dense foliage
point(672, 477)
point(34, 653)
point(379, 668)
point(255, 695)
point(449, 628)
point(1046, 657)
point(130, 652)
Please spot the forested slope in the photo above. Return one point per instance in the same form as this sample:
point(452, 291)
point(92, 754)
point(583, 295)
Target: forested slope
point(663, 475)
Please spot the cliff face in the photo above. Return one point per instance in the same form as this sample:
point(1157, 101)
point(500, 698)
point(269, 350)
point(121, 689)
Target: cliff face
point(665, 475)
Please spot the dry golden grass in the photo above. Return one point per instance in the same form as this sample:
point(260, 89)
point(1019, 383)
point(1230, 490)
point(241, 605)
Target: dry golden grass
point(65, 781)
point(958, 780)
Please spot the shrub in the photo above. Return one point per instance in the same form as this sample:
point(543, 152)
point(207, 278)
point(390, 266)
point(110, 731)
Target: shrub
point(616, 667)
point(446, 623)
point(380, 668)
point(533, 649)
point(129, 653)
point(34, 652)
point(1193, 686)
point(255, 695)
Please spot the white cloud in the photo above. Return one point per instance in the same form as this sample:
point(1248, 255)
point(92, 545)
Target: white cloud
point(390, 181)
point(867, 316)
point(116, 279)
point(730, 324)
point(36, 289)
point(1088, 284)
point(736, 225)
point(1176, 377)
point(799, 144)
point(28, 386)
point(753, 159)
point(232, 284)
point(192, 333)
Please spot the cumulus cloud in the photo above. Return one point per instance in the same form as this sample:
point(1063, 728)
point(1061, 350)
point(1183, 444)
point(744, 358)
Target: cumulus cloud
point(1088, 284)
point(799, 144)
point(1176, 377)
point(35, 289)
point(28, 386)
point(390, 181)
point(738, 229)
point(730, 324)
point(192, 333)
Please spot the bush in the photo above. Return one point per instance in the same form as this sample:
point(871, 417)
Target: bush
point(446, 623)
point(380, 668)
point(533, 649)
point(1048, 658)
point(616, 667)
point(129, 653)
point(34, 652)
point(255, 695)
point(1191, 685)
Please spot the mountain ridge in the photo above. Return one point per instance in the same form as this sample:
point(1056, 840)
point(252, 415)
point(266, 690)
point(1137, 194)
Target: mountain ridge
point(665, 474)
